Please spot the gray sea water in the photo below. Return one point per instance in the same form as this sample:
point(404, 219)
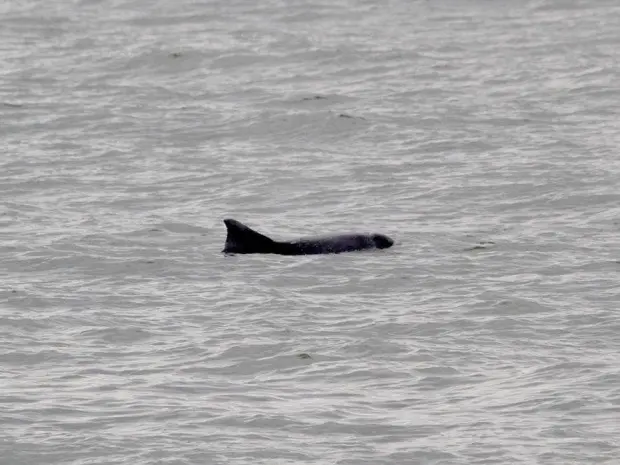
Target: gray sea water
point(482, 136)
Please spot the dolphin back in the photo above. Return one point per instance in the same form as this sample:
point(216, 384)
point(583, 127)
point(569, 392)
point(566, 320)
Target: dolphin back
point(242, 239)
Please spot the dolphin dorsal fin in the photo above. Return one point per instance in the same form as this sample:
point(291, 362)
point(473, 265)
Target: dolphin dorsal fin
point(242, 239)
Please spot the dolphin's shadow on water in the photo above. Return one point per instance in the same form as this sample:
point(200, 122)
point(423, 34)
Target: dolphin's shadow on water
point(244, 240)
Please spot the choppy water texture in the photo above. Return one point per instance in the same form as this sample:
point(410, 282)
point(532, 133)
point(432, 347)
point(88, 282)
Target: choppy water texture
point(483, 136)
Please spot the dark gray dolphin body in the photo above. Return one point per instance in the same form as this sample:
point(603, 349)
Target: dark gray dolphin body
point(241, 239)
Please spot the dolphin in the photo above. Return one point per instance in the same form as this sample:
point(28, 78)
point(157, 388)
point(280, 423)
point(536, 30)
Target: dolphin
point(242, 239)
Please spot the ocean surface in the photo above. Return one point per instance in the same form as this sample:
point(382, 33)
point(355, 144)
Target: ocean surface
point(483, 136)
